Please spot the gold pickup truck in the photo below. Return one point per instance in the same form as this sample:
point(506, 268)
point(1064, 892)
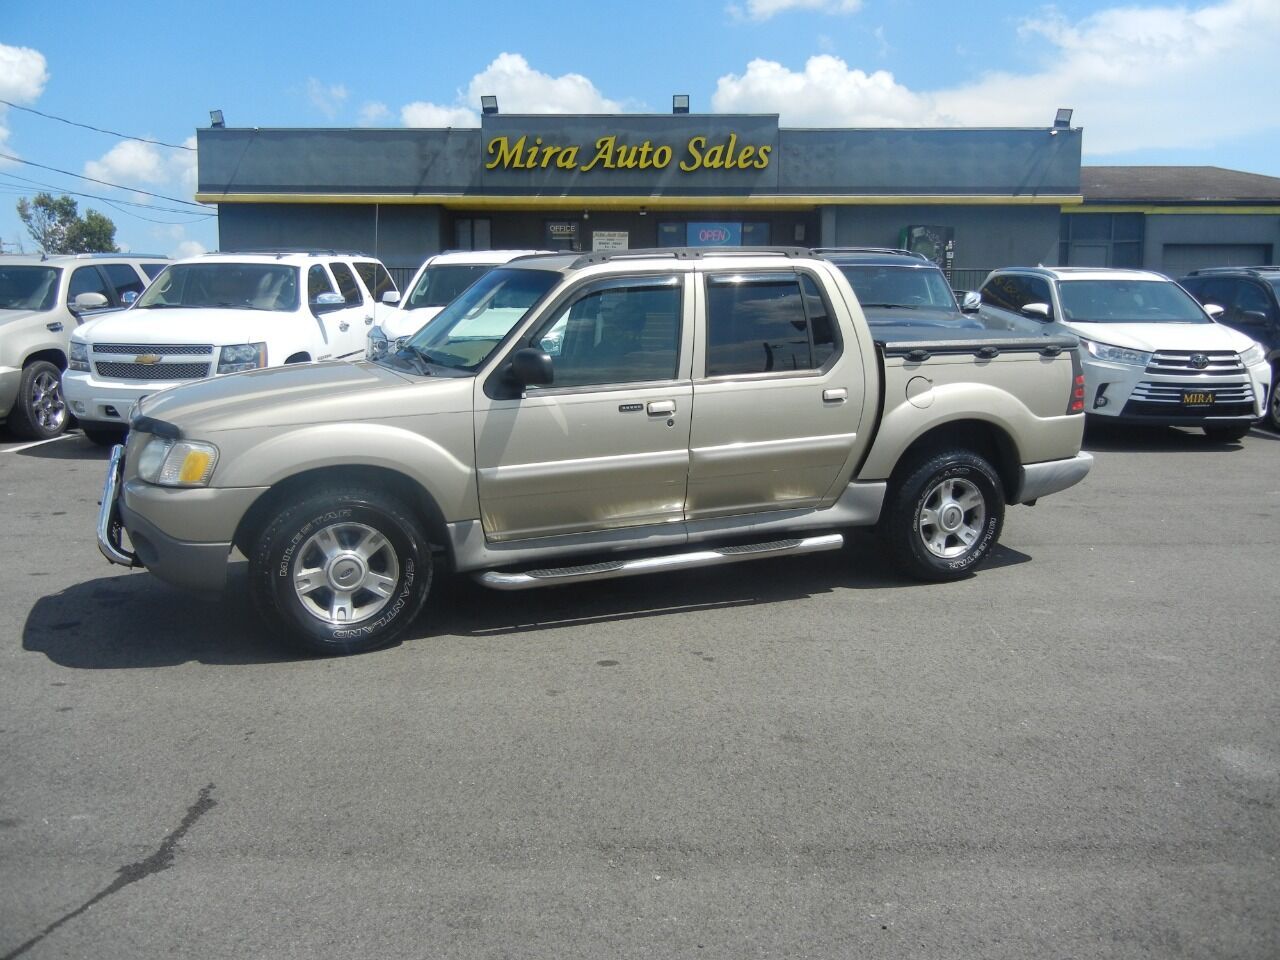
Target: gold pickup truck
point(573, 417)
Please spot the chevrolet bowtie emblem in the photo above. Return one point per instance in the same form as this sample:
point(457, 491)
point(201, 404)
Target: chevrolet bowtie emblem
point(147, 358)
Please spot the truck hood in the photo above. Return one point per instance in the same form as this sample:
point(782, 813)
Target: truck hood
point(220, 327)
point(300, 394)
point(1150, 337)
point(13, 316)
point(404, 323)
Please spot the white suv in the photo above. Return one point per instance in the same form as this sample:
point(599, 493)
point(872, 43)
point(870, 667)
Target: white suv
point(218, 314)
point(1152, 354)
point(43, 299)
point(438, 281)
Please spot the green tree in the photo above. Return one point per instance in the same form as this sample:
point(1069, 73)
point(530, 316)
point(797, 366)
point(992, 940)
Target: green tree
point(56, 226)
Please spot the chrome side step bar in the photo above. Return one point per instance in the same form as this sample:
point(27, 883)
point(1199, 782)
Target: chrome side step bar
point(608, 569)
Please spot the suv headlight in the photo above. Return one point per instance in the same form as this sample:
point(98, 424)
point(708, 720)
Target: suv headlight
point(377, 345)
point(242, 356)
point(177, 463)
point(1254, 354)
point(1104, 351)
point(79, 359)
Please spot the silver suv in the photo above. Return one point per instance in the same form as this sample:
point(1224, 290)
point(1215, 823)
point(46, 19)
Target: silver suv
point(42, 299)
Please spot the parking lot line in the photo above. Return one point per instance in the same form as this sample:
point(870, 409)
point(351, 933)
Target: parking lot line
point(37, 443)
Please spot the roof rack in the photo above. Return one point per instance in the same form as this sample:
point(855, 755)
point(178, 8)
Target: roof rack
point(1203, 271)
point(686, 253)
point(292, 251)
point(825, 251)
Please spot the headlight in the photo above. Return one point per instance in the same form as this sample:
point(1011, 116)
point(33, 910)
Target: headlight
point(242, 356)
point(177, 463)
point(377, 345)
point(79, 356)
point(1104, 351)
point(1254, 354)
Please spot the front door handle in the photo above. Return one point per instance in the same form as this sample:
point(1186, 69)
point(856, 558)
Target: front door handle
point(344, 326)
point(839, 395)
point(368, 320)
point(661, 408)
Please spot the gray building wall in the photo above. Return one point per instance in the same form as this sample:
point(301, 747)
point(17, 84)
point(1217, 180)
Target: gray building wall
point(1206, 230)
point(986, 236)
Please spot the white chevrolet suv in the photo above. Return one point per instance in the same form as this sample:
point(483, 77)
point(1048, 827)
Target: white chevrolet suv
point(218, 314)
point(438, 281)
point(1152, 354)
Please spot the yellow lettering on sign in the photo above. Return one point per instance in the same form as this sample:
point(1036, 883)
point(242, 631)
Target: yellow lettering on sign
point(693, 147)
point(507, 154)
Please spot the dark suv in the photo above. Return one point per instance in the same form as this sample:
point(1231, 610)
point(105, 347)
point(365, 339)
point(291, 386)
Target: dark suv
point(899, 288)
point(1250, 302)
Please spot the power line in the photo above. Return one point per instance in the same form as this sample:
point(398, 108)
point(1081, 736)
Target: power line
point(105, 183)
point(138, 216)
point(94, 196)
point(86, 126)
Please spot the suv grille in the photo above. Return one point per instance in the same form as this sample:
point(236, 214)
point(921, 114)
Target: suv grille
point(152, 371)
point(178, 349)
point(1222, 363)
point(1148, 392)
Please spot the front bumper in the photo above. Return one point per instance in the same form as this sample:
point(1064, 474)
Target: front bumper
point(98, 401)
point(1131, 394)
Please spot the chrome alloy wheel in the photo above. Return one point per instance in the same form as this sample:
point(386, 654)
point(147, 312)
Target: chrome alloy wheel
point(48, 409)
point(951, 517)
point(345, 572)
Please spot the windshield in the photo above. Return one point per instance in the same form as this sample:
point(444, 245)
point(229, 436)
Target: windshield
point(28, 288)
point(886, 286)
point(464, 333)
point(1128, 301)
point(241, 286)
point(439, 285)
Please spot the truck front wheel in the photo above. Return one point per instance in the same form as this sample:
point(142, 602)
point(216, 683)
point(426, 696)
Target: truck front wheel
point(945, 516)
point(344, 570)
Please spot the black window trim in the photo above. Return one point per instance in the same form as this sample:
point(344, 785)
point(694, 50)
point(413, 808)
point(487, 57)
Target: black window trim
point(766, 275)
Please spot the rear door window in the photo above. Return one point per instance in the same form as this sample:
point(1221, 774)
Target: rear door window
point(766, 323)
point(376, 278)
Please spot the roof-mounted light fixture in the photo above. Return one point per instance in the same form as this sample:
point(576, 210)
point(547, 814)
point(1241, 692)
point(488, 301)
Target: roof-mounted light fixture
point(680, 103)
point(215, 119)
point(489, 105)
point(1063, 118)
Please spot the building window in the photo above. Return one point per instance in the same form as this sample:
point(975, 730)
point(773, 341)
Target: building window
point(472, 234)
point(1101, 239)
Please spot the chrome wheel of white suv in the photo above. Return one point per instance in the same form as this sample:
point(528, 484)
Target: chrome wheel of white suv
point(40, 413)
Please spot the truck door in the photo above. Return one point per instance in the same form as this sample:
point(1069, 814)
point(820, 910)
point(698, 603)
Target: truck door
point(606, 445)
point(777, 396)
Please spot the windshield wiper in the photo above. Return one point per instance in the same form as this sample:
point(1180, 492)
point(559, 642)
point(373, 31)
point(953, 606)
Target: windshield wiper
point(421, 360)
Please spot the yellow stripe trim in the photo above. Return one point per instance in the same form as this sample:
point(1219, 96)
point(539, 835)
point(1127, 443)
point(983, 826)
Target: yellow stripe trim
point(1135, 208)
point(772, 202)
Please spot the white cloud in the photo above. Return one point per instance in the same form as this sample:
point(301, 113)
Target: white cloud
point(1137, 78)
point(129, 162)
point(23, 74)
point(765, 9)
point(188, 248)
point(327, 99)
point(519, 89)
point(373, 113)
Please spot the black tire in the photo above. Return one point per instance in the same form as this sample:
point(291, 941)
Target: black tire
point(1272, 417)
point(402, 561)
point(906, 528)
point(39, 412)
point(104, 436)
point(1228, 433)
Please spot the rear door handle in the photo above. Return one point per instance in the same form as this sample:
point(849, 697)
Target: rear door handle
point(368, 320)
point(661, 408)
point(344, 326)
point(839, 395)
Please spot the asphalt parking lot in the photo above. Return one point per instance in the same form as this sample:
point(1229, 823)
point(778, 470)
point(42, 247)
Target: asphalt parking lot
point(1074, 753)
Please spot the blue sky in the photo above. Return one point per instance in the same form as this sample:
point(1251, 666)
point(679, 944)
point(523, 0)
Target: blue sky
point(1149, 82)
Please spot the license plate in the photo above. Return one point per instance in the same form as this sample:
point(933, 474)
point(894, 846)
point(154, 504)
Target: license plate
point(1197, 399)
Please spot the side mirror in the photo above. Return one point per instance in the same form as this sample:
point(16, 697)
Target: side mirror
point(326, 302)
point(391, 296)
point(89, 301)
point(1214, 311)
point(972, 302)
point(1039, 311)
point(128, 297)
point(532, 367)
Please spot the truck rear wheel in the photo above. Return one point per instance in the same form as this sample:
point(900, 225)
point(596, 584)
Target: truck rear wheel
point(945, 516)
point(345, 570)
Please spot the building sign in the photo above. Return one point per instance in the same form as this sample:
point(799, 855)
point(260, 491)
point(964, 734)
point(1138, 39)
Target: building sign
point(613, 153)
point(610, 240)
point(560, 235)
point(713, 234)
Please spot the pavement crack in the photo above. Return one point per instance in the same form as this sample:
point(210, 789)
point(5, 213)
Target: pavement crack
point(162, 859)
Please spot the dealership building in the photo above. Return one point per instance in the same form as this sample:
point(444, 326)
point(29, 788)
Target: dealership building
point(973, 199)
